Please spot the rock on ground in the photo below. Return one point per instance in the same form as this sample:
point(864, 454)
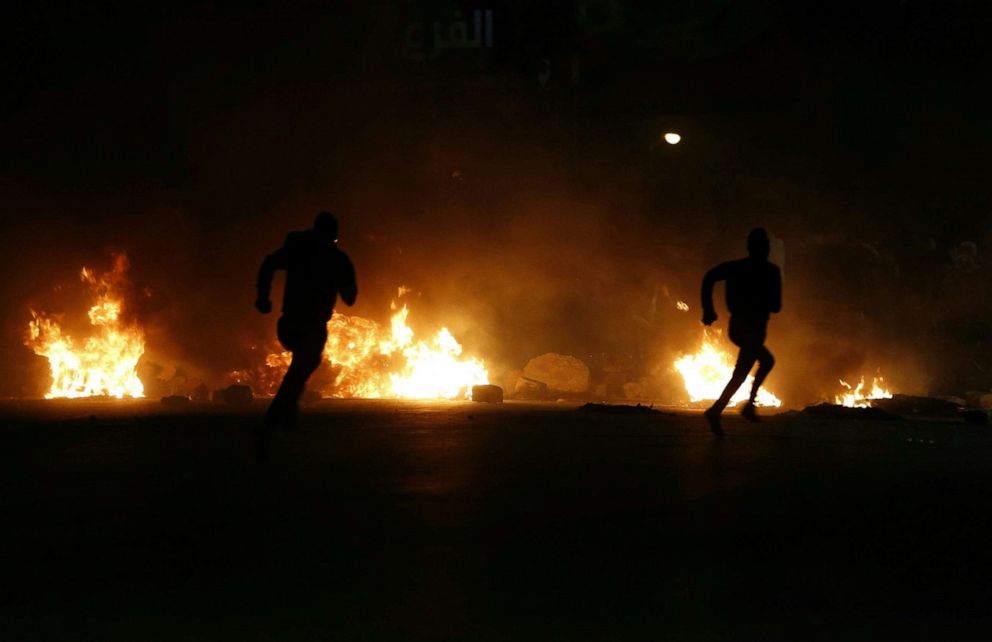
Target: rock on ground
point(562, 373)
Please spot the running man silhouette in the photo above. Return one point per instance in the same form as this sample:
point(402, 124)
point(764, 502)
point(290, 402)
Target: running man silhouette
point(754, 292)
point(316, 273)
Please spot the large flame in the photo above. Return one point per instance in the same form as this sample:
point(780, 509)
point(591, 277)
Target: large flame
point(371, 361)
point(707, 372)
point(102, 364)
point(857, 397)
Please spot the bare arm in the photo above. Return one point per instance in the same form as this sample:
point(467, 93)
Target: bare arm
point(719, 273)
point(348, 287)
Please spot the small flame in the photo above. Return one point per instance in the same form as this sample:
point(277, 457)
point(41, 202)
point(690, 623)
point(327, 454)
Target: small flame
point(707, 372)
point(682, 306)
point(104, 365)
point(857, 397)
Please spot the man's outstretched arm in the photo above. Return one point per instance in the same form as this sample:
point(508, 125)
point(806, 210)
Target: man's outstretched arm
point(716, 274)
point(273, 262)
point(348, 286)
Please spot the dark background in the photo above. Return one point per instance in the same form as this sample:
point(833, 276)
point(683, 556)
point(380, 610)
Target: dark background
point(521, 190)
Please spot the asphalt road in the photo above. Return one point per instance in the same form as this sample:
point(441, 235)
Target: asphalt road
point(454, 521)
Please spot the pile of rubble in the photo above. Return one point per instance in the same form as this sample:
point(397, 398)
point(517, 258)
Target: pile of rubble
point(553, 376)
point(974, 408)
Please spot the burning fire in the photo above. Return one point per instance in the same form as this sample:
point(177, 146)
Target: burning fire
point(681, 306)
point(858, 398)
point(104, 363)
point(371, 361)
point(707, 372)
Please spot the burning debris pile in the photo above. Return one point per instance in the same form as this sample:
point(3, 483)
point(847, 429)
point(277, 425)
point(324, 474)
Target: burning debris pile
point(104, 362)
point(858, 397)
point(369, 360)
point(98, 355)
point(372, 361)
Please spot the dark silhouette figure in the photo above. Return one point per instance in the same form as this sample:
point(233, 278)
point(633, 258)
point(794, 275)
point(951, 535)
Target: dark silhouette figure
point(316, 273)
point(754, 292)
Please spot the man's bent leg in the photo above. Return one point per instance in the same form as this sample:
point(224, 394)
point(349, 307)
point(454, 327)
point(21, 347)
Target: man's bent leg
point(766, 361)
point(307, 346)
point(286, 403)
point(745, 361)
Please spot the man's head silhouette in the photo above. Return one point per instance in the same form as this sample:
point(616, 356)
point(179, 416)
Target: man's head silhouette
point(758, 245)
point(326, 227)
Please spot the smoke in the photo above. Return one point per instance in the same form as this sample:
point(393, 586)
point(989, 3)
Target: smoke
point(523, 231)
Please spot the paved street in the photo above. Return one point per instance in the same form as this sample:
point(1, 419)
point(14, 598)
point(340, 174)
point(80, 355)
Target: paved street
point(457, 521)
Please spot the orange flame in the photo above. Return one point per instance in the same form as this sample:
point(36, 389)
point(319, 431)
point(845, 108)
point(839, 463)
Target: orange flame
point(371, 361)
point(857, 397)
point(104, 365)
point(706, 372)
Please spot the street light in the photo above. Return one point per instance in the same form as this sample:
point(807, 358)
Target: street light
point(672, 138)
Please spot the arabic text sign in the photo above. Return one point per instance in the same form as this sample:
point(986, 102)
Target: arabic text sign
point(418, 45)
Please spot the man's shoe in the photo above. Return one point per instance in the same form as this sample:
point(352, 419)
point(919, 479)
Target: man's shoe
point(713, 417)
point(750, 413)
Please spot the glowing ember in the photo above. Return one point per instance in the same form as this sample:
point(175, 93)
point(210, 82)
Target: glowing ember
point(372, 362)
point(858, 398)
point(104, 363)
point(681, 306)
point(707, 372)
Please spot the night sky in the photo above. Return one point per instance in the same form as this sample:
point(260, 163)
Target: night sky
point(521, 189)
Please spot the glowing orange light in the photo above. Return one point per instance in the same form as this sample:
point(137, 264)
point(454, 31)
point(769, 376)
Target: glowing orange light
point(706, 372)
point(858, 397)
point(104, 363)
point(372, 361)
